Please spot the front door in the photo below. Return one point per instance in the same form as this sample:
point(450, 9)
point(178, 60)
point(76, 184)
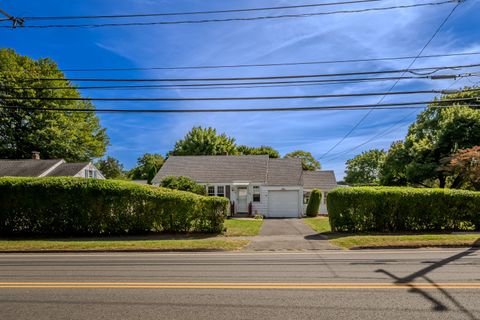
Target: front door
point(242, 206)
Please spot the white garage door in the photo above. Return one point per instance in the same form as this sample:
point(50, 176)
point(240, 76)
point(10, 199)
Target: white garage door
point(283, 204)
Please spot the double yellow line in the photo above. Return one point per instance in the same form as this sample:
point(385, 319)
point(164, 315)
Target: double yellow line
point(229, 285)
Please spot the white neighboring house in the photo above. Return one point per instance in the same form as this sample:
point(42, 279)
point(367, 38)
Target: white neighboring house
point(275, 188)
point(36, 167)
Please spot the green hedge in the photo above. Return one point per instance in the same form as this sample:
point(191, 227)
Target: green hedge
point(74, 206)
point(387, 209)
point(313, 205)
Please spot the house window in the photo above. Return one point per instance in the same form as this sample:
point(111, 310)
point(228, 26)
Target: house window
point(211, 191)
point(221, 191)
point(256, 194)
point(306, 197)
point(88, 173)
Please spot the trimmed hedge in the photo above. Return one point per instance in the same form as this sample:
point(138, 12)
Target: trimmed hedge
point(313, 205)
point(76, 206)
point(387, 209)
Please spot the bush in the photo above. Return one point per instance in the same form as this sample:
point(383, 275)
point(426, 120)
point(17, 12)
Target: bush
point(76, 206)
point(183, 184)
point(313, 205)
point(386, 209)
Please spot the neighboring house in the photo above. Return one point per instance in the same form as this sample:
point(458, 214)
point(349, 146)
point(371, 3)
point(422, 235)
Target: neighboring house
point(36, 167)
point(273, 187)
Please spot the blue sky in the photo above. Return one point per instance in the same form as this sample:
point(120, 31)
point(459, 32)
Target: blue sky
point(345, 36)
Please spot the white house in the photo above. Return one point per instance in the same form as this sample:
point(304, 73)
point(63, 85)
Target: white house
point(272, 187)
point(36, 167)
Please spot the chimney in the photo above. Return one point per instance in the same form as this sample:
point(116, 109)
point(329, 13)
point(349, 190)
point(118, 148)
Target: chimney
point(35, 155)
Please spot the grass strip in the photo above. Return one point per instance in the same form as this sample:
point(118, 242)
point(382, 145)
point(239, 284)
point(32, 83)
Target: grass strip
point(237, 228)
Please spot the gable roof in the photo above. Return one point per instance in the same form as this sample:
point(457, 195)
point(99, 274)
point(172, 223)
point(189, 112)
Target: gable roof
point(26, 168)
point(323, 180)
point(67, 169)
point(284, 172)
point(216, 169)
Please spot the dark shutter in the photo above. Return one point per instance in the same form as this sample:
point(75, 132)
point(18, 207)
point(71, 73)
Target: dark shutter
point(227, 192)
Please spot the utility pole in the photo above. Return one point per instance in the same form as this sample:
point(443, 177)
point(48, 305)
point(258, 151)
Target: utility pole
point(16, 22)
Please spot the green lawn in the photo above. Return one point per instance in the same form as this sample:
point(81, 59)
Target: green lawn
point(160, 245)
point(357, 241)
point(236, 227)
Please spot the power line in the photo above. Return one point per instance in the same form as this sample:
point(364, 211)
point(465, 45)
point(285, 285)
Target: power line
point(395, 84)
point(401, 105)
point(273, 64)
point(404, 71)
point(300, 15)
point(143, 15)
point(323, 96)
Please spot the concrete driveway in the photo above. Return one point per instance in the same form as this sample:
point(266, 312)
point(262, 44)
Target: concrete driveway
point(288, 235)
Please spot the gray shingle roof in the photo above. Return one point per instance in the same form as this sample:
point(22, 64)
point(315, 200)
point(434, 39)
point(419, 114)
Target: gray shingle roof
point(67, 169)
point(216, 169)
point(323, 180)
point(284, 172)
point(25, 168)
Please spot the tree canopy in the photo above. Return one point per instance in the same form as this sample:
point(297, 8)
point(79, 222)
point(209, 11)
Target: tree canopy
point(308, 161)
point(365, 168)
point(262, 150)
point(73, 136)
point(111, 168)
point(147, 165)
point(204, 141)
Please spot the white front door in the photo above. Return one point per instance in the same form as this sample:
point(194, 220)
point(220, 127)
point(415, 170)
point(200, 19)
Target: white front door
point(242, 205)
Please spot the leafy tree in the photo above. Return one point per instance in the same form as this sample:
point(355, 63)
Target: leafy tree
point(182, 183)
point(308, 161)
point(313, 205)
point(111, 168)
point(465, 166)
point(73, 136)
point(438, 133)
point(204, 141)
point(393, 170)
point(146, 165)
point(262, 150)
point(365, 168)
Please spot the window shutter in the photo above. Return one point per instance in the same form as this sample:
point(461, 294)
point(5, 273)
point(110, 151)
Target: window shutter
point(227, 192)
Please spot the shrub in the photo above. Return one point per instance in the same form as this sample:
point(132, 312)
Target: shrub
point(313, 205)
point(403, 209)
point(182, 183)
point(76, 206)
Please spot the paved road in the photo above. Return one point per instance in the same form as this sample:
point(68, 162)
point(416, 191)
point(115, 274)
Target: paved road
point(288, 235)
point(412, 284)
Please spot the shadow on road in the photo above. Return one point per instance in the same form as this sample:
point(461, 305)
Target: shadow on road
point(422, 274)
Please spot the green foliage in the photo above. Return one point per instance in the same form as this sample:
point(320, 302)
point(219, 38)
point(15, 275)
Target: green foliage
point(73, 136)
point(393, 170)
point(111, 168)
point(308, 161)
point(365, 168)
point(262, 150)
point(204, 141)
point(75, 206)
point(313, 205)
point(387, 209)
point(146, 165)
point(183, 184)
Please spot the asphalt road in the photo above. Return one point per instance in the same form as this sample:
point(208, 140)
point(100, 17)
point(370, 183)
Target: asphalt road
point(409, 284)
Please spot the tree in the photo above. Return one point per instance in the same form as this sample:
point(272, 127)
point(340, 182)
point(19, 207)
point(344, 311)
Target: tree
point(182, 183)
point(365, 168)
point(464, 165)
point(111, 168)
point(393, 170)
point(146, 164)
point(204, 141)
point(438, 133)
point(262, 150)
point(73, 136)
point(308, 161)
point(313, 205)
